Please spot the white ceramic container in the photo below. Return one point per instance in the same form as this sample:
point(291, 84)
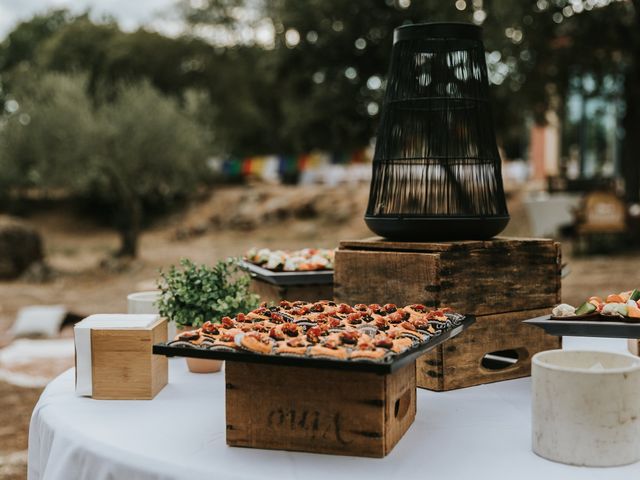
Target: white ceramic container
point(145, 302)
point(586, 407)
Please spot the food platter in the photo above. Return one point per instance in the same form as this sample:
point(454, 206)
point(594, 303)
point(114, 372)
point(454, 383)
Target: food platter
point(313, 277)
point(587, 326)
point(381, 367)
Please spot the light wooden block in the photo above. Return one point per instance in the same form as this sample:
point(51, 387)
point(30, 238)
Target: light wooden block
point(123, 366)
point(318, 410)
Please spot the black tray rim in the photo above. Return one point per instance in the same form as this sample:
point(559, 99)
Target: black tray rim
point(398, 361)
point(313, 277)
point(585, 328)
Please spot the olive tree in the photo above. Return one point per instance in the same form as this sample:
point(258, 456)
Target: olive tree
point(136, 149)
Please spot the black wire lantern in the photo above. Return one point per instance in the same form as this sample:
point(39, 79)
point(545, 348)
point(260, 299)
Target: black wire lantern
point(436, 168)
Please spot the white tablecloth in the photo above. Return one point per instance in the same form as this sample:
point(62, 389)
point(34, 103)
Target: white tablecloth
point(474, 433)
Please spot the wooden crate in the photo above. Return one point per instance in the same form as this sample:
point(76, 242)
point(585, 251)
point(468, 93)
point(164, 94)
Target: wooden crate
point(318, 410)
point(269, 292)
point(123, 366)
point(502, 281)
point(458, 363)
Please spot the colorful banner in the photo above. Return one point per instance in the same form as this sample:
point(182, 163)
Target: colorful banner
point(272, 167)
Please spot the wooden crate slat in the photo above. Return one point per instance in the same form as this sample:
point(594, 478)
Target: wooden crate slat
point(386, 277)
point(379, 243)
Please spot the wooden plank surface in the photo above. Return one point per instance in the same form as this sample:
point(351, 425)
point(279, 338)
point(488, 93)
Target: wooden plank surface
point(386, 277)
point(504, 278)
point(379, 243)
point(321, 411)
point(457, 363)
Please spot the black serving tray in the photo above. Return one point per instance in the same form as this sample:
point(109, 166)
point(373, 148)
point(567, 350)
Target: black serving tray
point(313, 277)
point(586, 328)
point(384, 367)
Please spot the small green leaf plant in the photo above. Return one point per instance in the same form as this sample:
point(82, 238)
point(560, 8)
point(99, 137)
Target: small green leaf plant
point(194, 294)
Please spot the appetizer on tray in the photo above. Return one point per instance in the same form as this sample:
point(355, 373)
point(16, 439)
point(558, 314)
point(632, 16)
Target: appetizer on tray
point(622, 306)
point(324, 330)
point(305, 260)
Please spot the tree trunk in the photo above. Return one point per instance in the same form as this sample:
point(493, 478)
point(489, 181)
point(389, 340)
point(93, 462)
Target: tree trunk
point(131, 218)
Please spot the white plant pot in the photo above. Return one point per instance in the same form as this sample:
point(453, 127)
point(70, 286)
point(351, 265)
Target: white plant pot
point(586, 407)
point(146, 302)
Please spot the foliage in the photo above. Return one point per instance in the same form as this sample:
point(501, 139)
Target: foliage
point(22, 43)
point(194, 294)
point(53, 127)
point(138, 148)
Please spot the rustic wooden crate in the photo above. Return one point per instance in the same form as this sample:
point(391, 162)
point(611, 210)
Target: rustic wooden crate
point(502, 281)
point(458, 362)
point(318, 410)
point(123, 366)
point(269, 292)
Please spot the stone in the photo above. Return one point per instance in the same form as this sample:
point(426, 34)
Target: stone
point(20, 247)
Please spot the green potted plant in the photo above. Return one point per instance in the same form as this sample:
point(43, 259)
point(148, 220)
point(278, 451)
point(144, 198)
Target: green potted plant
point(194, 294)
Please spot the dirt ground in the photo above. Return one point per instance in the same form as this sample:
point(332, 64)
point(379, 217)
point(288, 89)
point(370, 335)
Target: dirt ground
point(76, 248)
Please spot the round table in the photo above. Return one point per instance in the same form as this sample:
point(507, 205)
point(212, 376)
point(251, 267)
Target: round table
point(478, 432)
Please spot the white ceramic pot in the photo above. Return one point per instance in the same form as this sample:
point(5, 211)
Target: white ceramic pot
point(146, 302)
point(586, 407)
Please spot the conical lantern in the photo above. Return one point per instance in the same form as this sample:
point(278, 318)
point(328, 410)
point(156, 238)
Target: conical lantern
point(436, 168)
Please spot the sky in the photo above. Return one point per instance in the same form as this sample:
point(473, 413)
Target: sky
point(129, 13)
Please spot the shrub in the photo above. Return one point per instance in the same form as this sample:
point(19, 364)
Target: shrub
point(194, 294)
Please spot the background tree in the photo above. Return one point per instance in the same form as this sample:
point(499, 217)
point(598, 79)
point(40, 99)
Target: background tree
point(149, 150)
point(138, 148)
point(51, 126)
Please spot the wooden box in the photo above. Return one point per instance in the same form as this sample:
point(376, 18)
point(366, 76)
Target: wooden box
point(270, 292)
point(122, 364)
point(318, 410)
point(502, 281)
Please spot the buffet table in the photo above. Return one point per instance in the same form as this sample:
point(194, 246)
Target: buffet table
point(478, 432)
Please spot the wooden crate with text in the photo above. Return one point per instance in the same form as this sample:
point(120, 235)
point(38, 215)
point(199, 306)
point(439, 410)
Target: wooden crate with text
point(331, 411)
point(502, 281)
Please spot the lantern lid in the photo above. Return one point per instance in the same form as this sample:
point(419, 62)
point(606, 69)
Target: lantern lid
point(455, 30)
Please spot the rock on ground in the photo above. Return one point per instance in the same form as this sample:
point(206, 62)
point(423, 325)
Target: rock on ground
point(20, 247)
